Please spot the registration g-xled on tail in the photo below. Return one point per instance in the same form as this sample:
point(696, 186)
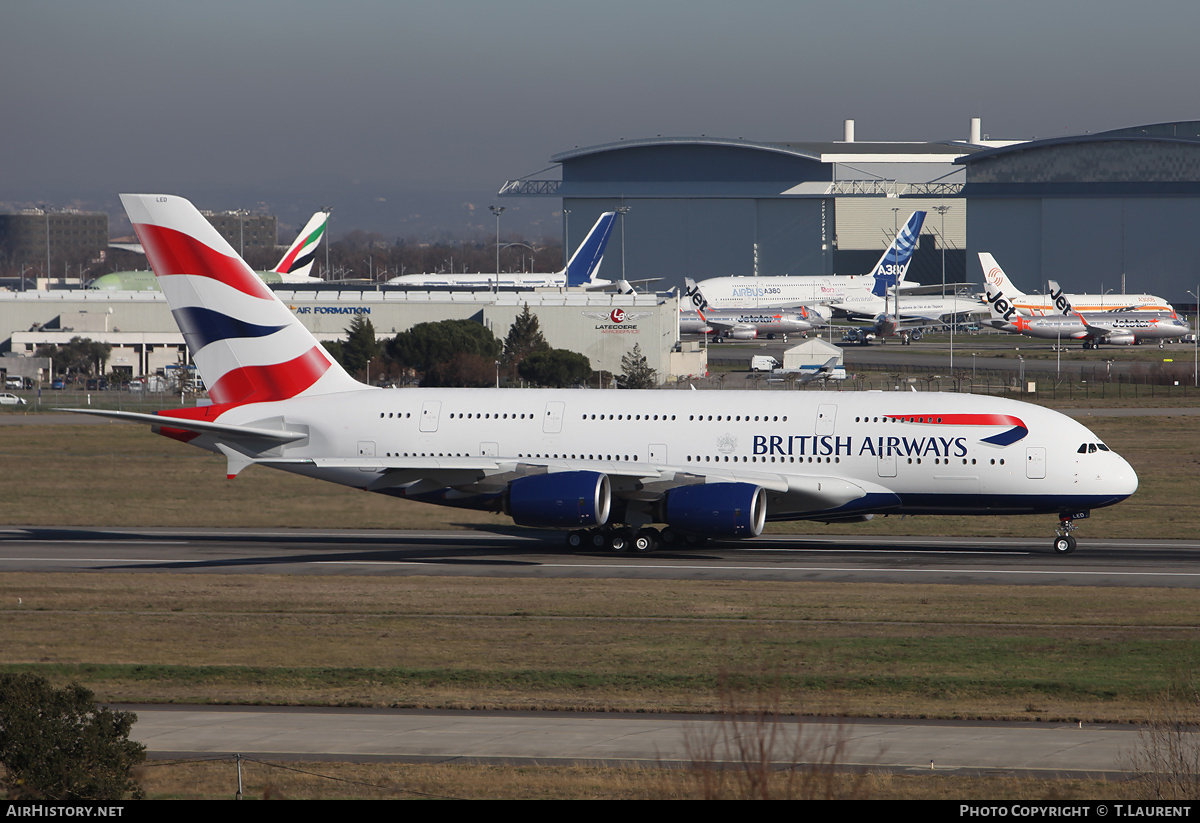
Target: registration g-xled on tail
point(616, 469)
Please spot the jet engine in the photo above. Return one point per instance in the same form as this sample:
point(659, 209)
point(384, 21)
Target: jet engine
point(743, 334)
point(1120, 339)
point(717, 509)
point(885, 325)
point(561, 500)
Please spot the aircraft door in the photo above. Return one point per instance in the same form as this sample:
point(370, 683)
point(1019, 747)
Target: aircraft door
point(1035, 462)
point(826, 417)
point(657, 454)
point(488, 450)
point(430, 411)
point(552, 421)
point(887, 463)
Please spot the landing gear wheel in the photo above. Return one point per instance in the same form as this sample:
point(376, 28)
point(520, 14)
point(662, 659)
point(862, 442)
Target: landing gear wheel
point(599, 540)
point(618, 542)
point(577, 539)
point(645, 541)
point(1064, 544)
point(670, 537)
point(695, 539)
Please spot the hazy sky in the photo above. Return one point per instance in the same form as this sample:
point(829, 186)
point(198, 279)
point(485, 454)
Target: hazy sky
point(395, 101)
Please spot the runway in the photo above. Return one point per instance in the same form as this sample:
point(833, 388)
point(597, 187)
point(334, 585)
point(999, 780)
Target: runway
point(531, 553)
point(554, 738)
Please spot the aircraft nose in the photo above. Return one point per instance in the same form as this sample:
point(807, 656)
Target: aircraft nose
point(1123, 480)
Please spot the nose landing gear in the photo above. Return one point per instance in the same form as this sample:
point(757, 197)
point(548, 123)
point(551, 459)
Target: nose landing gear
point(1065, 542)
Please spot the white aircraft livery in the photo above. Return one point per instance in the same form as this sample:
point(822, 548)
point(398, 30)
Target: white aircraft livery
point(601, 465)
point(798, 290)
point(1115, 328)
point(1044, 304)
point(582, 269)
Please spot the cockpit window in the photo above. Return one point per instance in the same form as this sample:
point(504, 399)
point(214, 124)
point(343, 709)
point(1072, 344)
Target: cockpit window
point(1091, 448)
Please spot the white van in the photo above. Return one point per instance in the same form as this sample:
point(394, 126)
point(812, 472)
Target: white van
point(763, 362)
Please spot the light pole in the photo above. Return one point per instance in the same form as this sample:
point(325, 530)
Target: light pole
point(328, 216)
point(566, 247)
point(497, 210)
point(623, 210)
point(1196, 340)
point(241, 215)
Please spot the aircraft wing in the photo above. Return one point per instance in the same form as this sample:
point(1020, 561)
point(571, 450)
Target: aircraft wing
point(933, 288)
point(645, 482)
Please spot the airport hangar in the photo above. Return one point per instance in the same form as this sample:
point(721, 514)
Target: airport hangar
point(1096, 212)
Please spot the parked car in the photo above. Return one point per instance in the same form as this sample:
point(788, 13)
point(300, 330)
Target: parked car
point(10, 399)
point(59, 384)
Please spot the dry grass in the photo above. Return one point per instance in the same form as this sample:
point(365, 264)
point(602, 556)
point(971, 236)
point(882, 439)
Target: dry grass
point(633, 645)
point(329, 781)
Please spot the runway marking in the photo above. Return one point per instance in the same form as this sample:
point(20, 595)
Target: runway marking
point(717, 567)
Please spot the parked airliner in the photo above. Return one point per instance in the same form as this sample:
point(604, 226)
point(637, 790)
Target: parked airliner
point(1035, 305)
point(750, 324)
point(1114, 328)
point(601, 465)
point(582, 269)
point(808, 290)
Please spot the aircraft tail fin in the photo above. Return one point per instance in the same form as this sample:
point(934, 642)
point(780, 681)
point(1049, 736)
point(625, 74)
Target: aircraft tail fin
point(247, 345)
point(298, 260)
point(995, 275)
point(585, 262)
point(1061, 303)
point(889, 272)
point(693, 293)
point(1001, 311)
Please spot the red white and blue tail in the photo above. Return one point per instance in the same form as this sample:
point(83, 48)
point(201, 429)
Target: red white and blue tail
point(247, 345)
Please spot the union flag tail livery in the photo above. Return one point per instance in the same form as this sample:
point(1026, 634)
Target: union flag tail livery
point(602, 466)
point(247, 345)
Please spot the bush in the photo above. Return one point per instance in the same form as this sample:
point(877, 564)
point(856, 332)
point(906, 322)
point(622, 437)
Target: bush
point(57, 744)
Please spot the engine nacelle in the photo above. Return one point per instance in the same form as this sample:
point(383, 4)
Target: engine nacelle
point(885, 325)
point(743, 334)
point(560, 500)
point(717, 509)
point(1120, 340)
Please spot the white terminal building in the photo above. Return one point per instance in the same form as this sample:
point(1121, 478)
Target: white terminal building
point(145, 339)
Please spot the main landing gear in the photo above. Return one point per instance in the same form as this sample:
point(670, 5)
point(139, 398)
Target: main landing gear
point(635, 541)
point(1065, 542)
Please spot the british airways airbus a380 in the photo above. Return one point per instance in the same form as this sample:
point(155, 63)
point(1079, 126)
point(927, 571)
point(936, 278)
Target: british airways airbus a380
point(601, 465)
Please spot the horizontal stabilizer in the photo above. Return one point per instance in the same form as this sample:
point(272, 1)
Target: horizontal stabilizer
point(198, 426)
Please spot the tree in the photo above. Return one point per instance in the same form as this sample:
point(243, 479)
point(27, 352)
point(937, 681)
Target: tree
point(463, 370)
point(636, 372)
point(556, 368)
point(79, 355)
point(524, 338)
point(360, 346)
point(57, 744)
point(427, 344)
